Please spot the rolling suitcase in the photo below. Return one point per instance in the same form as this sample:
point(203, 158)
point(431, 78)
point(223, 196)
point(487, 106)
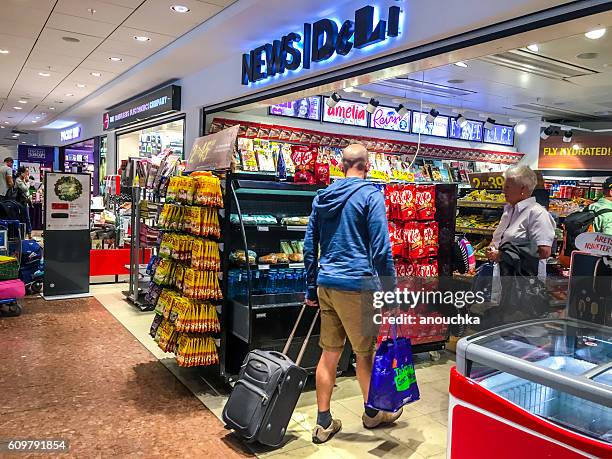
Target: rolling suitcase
point(268, 388)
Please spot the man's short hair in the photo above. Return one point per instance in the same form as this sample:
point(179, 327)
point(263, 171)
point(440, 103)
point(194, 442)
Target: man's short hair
point(8, 160)
point(607, 185)
point(355, 156)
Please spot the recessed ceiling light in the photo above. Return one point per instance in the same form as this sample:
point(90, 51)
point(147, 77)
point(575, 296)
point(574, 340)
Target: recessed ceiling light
point(2, 127)
point(96, 74)
point(22, 101)
point(69, 94)
point(37, 117)
point(81, 85)
point(455, 81)
point(595, 34)
point(533, 47)
point(44, 74)
point(141, 38)
point(59, 101)
point(520, 128)
point(71, 39)
point(587, 55)
point(51, 108)
point(34, 121)
point(6, 122)
point(461, 64)
point(4, 51)
point(23, 141)
point(17, 108)
point(91, 10)
point(115, 59)
point(179, 8)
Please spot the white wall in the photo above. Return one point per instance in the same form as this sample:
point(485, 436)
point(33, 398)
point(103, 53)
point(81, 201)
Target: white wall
point(529, 143)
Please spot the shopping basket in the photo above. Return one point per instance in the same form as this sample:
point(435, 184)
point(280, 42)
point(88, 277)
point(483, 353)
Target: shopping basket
point(9, 268)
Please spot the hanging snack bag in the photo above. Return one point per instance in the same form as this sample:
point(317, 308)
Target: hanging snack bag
point(321, 172)
point(414, 237)
point(408, 202)
point(430, 236)
point(426, 202)
point(304, 159)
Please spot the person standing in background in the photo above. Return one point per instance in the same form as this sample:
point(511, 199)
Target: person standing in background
point(6, 177)
point(603, 222)
point(23, 195)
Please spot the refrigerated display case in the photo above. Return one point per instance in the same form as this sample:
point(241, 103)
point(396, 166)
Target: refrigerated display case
point(541, 388)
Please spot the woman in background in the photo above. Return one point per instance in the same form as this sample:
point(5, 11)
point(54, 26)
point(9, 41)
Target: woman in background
point(23, 195)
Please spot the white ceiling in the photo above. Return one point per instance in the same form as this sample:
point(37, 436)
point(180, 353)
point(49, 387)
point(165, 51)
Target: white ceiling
point(487, 87)
point(33, 32)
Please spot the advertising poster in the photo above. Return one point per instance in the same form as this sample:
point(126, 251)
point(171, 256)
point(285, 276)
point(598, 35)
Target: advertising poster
point(387, 118)
point(585, 152)
point(500, 135)
point(438, 128)
point(67, 200)
point(308, 108)
point(346, 112)
point(34, 171)
point(472, 131)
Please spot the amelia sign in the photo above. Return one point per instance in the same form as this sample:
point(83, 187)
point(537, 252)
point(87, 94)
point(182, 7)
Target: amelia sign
point(319, 42)
point(346, 112)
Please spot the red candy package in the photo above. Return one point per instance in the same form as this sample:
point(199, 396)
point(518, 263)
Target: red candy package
point(414, 247)
point(408, 202)
point(321, 171)
point(425, 202)
point(397, 242)
point(304, 159)
point(430, 236)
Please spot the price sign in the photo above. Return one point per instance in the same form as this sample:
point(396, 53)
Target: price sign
point(405, 176)
point(335, 171)
point(487, 180)
point(379, 175)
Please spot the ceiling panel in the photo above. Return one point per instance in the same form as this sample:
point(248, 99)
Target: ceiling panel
point(219, 2)
point(51, 40)
point(105, 12)
point(99, 59)
point(24, 18)
point(80, 25)
point(156, 16)
point(127, 3)
point(122, 41)
point(43, 58)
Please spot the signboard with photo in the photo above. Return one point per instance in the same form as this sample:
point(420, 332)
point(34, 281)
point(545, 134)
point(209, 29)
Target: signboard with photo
point(308, 108)
point(500, 134)
point(472, 131)
point(346, 112)
point(387, 118)
point(437, 128)
point(67, 200)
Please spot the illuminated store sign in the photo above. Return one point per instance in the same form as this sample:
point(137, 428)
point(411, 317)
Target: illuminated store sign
point(387, 118)
point(70, 134)
point(346, 112)
point(318, 43)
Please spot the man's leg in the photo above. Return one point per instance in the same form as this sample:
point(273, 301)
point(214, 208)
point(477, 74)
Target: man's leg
point(364, 373)
point(326, 378)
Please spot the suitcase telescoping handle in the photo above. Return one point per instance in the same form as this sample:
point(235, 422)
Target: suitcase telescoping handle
point(295, 327)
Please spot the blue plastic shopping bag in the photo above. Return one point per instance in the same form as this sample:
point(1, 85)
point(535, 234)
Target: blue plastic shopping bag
point(393, 382)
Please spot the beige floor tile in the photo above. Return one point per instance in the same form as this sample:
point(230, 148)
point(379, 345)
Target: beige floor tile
point(307, 416)
point(437, 456)
point(440, 416)
point(311, 452)
point(371, 444)
point(422, 434)
point(355, 405)
point(431, 400)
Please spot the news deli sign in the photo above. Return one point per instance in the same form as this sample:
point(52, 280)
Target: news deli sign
point(155, 103)
point(319, 42)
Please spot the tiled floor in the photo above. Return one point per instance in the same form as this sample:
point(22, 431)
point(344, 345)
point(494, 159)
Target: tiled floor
point(419, 433)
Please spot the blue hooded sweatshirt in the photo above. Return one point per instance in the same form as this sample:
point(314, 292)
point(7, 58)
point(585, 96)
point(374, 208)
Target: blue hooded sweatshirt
point(349, 223)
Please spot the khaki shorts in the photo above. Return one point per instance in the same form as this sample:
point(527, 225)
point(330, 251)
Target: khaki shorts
point(342, 315)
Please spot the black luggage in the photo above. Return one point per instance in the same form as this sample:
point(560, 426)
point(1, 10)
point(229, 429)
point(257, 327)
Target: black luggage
point(268, 388)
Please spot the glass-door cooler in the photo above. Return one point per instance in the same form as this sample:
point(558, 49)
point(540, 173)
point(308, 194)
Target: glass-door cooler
point(541, 388)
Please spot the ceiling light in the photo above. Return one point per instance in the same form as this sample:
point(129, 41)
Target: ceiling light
point(461, 120)
point(51, 108)
point(489, 123)
point(349, 89)
point(24, 141)
point(69, 94)
point(4, 51)
point(179, 8)
point(533, 47)
point(37, 117)
point(2, 127)
point(372, 104)
point(401, 110)
point(17, 108)
point(141, 38)
point(44, 74)
point(520, 128)
point(595, 34)
point(96, 74)
point(576, 146)
point(461, 64)
point(81, 85)
point(431, 116)
point(6, 122)
point(546, 133)
point(22, 101)
point(115, 59)
point(71, 39)
point(567, 136)
point(34, 121)
point(333, 100)
point(91, 10)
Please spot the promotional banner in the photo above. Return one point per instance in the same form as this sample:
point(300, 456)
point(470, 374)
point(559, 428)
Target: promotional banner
point(472, 131)
point(214, 151)
point(595, 243)
point(307, 108)
point(34, 170)
point(67, 200)
point(582, 153)
point(387, 118)
point(35, 154)
point(346, 112)
point(500, 134)
point(437, 128)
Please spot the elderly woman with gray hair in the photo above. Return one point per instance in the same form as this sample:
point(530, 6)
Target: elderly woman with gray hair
point(523, 218)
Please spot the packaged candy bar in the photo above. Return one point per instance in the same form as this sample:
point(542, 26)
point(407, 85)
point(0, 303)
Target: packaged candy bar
point(430, 235)
point(414, 241)
point(426, 202)
point(408, 202)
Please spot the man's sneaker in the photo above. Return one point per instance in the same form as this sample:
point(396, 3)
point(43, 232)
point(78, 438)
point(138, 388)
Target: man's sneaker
point(321, 435)
point(381, 419)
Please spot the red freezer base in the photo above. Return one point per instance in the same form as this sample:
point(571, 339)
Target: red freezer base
point(485, 425)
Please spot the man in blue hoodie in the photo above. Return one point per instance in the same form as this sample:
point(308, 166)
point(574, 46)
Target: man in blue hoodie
point(347, 254)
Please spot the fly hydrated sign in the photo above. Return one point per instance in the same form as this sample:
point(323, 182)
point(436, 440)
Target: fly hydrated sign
point(319, 42)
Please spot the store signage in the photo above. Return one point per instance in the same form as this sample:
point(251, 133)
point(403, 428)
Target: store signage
point(155, 103)
point(472, 131)
point(70, 134)
point(500, 134)
point(37, 154)
point(346, 112)
point(487, 180)
point(437, 128)
point(583, 153)
point(67, 200)
point(387, 118)
point(213, 152)
point(307, 108)
point(319, 42)
point(595, 243)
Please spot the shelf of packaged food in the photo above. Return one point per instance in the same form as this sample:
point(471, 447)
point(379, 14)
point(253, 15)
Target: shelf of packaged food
point(265, 267)
point(268, 228)
point(481, 204)
point(482, 231)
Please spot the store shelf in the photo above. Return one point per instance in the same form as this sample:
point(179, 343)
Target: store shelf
point(481, 204)
point(482, 231)
point(265, 267)
point(268, 228)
